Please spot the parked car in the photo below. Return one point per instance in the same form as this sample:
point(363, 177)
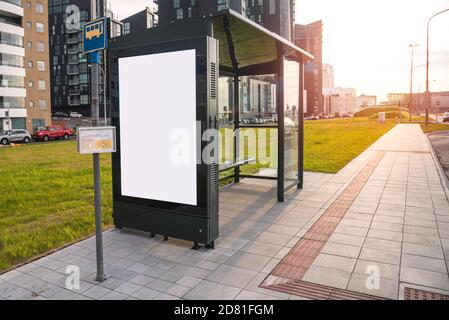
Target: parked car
point(76, 115)
point(60, 115)
point(53, 133)
point(446, 117)
point(14, 136)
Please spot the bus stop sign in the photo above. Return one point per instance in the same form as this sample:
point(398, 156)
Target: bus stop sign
point(95, 35)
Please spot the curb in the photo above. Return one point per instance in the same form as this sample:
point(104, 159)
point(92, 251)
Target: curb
point(444, 179)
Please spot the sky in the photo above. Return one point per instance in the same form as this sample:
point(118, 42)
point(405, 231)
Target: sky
point(367, 41)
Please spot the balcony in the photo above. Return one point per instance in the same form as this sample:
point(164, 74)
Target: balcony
point(16, 2)
point(73, 101)
point(72, 39)
point(74, 59)
point(73, 69)
point(11, 8)
point(74, 92)
point(73, 50)
point(74, 81)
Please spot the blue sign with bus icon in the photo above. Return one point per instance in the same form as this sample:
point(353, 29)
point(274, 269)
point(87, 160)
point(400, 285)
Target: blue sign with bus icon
point(95, 35)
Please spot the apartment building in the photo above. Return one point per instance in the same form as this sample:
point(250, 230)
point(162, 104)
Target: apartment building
point(275, 15)
point(70, 72)
point(310, 38)
point(140, 21)
point(24, 99)
point(37, 64)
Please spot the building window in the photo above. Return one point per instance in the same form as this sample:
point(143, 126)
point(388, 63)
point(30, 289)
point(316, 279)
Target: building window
point(29, 45)
point(39, 7)
point(29, 24)
point(42, 104)
point(272, 7)
point(176, 4)
point(30, 64)
point(127, 28)
point(31, 104)
point(41, 85)
point(41, 65)
point(179, 14)
point(40, 46)
point(28, 5)
point(223, 5)
point(30, 84)
point(40, 27)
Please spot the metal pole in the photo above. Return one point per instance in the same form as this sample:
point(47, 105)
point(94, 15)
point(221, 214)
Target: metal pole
point(105, 89)
point(411, 80)
point(97, 175)
point(428, 98)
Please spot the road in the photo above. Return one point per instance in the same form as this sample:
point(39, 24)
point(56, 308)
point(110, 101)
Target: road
point(440, 143)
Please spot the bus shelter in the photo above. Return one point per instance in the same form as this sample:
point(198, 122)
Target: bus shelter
point(198, 104)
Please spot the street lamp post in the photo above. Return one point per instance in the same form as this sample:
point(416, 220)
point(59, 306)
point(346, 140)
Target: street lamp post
point(428, 98)
point(412, 46)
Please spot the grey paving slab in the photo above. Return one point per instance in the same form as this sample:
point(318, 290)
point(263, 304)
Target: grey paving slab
point(424, 263)
point(385, 271)
point(424, 277)
point(114, 296)
point(249, 295)
point(232, 276)
point(423, 250)
point(145, 294)
point(248, 261)
point(386, 288)
point(207, 290)
point(127, 288)
point(96, 292)
point(335, 262)
point(342, 250)
point(380, 255)
point(382, 244)
point(328, 277)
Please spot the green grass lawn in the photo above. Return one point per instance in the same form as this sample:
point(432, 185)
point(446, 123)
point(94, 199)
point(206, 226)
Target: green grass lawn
point(46, 199)
point(433, 127)
point(331, 144)
point(46, 193)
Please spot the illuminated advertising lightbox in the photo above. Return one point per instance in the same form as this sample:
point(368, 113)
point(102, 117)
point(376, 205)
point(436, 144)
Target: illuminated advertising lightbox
point(157, 113)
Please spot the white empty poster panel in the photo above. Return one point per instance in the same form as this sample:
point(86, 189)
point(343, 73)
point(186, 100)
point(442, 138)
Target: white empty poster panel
point(158, 127)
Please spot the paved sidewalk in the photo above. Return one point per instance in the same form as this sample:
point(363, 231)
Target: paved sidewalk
point(379, 226)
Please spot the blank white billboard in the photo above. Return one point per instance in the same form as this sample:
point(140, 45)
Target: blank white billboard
point(158, 130)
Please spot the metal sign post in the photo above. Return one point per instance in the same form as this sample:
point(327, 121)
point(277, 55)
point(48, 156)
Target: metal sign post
point(95, 40)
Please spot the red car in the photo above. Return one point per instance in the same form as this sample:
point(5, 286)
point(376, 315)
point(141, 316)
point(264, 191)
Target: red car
point(53, 133)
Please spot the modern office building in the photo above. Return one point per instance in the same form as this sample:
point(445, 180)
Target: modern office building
point(140, 21)
point(439, 101)
point(364, 101)
point(328, 76)
point(339, 101)
point(310, 38)
point(70, 72)
point(275, 15)
point(24, 73)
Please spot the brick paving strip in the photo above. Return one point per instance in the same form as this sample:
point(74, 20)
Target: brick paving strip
point(286, 276)
point(415, 294)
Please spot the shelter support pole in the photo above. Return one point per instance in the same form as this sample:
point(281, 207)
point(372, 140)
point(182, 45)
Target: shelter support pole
point(236, 127)
point(301, 127)
point(281, 130)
